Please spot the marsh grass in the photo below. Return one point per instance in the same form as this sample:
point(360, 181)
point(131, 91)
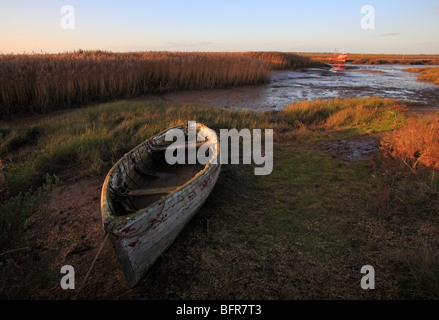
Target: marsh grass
point(302, 232)
point(430, 74)
point(405, 208)
point(18, 208)
point(16, 255)
point(88, 141)
point(417, 143)
point(342, 117)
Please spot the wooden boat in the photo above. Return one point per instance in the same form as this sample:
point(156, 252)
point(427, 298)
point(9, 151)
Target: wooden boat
point(146, 202)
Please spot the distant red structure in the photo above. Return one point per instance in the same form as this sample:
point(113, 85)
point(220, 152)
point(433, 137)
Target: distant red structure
point(340, 58)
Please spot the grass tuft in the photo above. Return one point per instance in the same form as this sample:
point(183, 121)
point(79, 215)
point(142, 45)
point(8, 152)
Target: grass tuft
point(358, 115)
point(417, 142)
point(427, 74)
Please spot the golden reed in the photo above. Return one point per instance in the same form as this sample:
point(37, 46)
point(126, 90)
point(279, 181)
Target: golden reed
point(37, 83)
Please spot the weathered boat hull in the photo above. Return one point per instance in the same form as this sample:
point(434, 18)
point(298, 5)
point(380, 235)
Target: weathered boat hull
point(141, 237)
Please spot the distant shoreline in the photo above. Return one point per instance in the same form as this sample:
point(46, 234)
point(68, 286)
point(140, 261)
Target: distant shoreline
point(360, 58)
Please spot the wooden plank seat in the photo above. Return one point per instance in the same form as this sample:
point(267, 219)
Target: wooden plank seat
point(149, 192)
point(180, 146)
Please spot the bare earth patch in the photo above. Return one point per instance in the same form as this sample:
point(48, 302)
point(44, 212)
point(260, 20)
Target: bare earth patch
point(71, 231)
point(355, 149)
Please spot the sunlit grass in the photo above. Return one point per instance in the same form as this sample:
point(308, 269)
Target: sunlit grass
point(417, 142)
point(279, 60)
point(359, 115)
point(427, 74)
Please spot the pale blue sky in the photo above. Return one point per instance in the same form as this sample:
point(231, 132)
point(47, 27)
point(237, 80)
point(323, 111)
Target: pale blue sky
point(404, 26)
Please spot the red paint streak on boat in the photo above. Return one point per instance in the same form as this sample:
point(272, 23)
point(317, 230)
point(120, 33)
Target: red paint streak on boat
point(191, 195)
point(133, 244)
point(128, 229)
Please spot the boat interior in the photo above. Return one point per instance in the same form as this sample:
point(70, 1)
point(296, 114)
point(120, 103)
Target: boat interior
point(144, 177)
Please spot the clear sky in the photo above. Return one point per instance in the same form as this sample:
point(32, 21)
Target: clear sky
point(401, 26)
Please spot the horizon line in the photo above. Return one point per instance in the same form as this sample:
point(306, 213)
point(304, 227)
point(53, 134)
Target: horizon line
point(200, 51)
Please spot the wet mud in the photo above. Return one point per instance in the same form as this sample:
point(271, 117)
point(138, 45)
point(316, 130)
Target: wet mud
point(286, 87)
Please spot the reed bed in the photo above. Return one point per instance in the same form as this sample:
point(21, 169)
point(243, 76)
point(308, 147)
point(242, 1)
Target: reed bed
point(38, 83)
point(279, 60)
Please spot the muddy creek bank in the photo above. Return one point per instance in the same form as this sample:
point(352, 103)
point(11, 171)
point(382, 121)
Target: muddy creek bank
point(286, 87)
